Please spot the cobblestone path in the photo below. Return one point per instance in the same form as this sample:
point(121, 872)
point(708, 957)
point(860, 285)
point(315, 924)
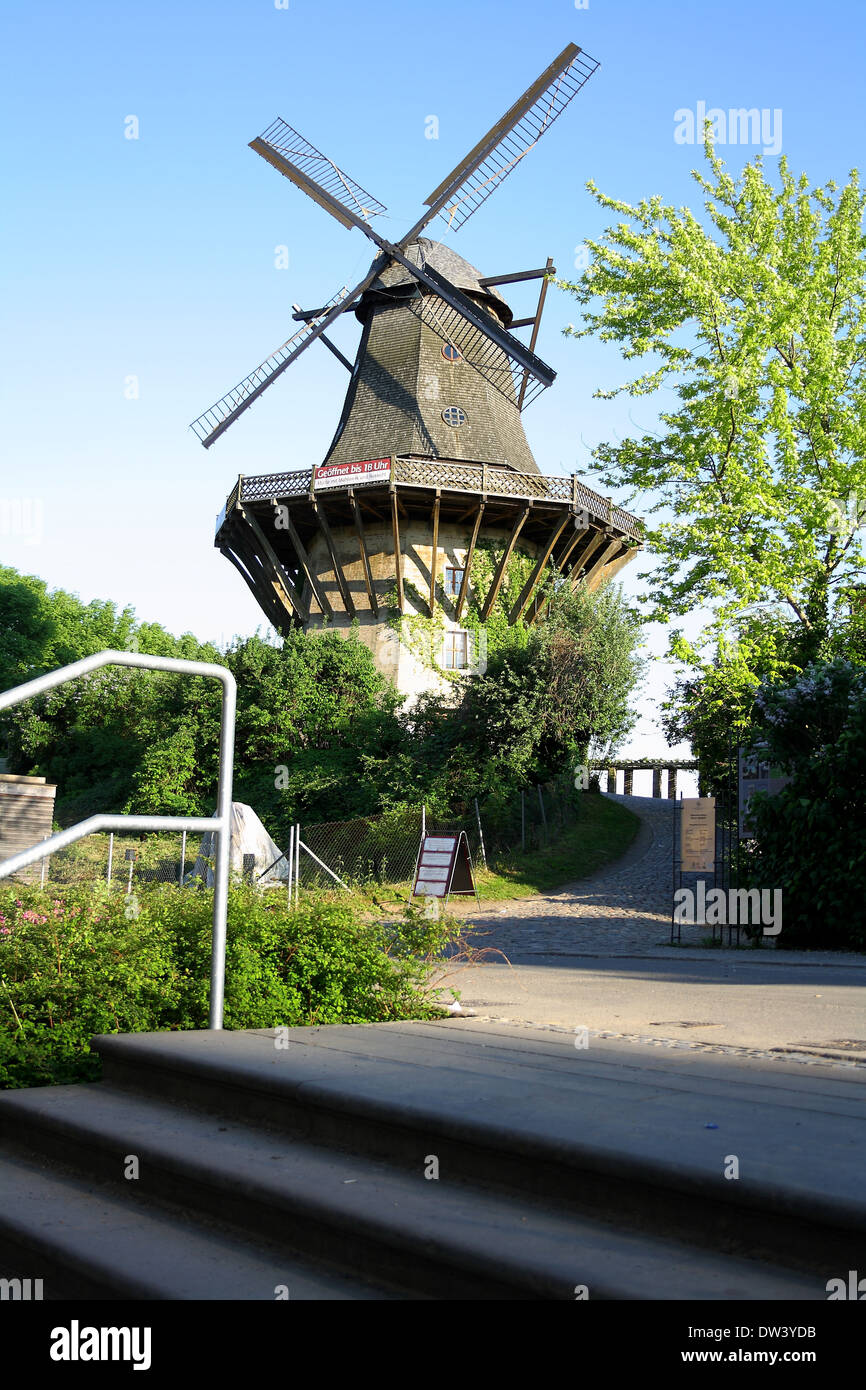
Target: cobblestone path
point(622, 909)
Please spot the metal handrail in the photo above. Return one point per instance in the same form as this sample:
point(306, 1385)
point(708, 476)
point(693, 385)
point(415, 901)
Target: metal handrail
point(220, 824)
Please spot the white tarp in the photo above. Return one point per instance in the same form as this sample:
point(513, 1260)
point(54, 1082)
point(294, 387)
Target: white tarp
point(248, 836)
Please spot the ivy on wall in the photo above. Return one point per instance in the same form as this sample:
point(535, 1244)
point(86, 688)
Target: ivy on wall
point(423, 633)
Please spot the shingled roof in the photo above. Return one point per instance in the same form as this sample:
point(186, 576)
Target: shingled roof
point(402, 382)
point(425, 252)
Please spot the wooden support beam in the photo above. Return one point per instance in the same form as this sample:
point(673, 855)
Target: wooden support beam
point(534, 578)
point(279, 576)
point(335, 560)
point(244, 563)
point(306, 565)
point(301, 317)
point(398, 558)
point(229, 553)
point(542, 295)
point(365, 554)
point(467, 563)
point(591, 541)
point(601, 564)
point(500, 568)
point(607, 571)
point(578, 567)
point(365, 506)
point(270, 596)
point(580, 534)
point(434, 557)
point(519, 275)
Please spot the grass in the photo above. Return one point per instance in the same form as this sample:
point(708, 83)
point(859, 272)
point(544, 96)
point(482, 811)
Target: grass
point(602, 835)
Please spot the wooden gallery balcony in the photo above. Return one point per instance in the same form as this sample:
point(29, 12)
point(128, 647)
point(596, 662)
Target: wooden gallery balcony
point(330, 545)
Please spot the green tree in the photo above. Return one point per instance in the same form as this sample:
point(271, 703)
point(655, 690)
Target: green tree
point(712, 709)
point(550, 693)
point(320, 734)
point(754, 316)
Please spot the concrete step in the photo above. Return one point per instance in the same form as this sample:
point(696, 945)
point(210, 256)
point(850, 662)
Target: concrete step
point(619, 1130)
point(441, 1238)
point(86, 1242)
point(557, 1169)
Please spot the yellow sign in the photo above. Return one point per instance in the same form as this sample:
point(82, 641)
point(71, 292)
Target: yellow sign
point(698, 834)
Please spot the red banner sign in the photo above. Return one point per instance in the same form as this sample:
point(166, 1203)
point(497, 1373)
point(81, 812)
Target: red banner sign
point(346, 474)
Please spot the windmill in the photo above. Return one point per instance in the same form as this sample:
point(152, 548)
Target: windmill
point(429, 464)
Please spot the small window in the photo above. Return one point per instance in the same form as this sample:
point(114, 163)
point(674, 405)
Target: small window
point(453, 580)
point(451, 353)
point(454, 416)
point(456, 652)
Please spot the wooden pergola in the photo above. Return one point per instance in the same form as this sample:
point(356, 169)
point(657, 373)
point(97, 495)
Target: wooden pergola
point(656, 766)
point(269, 523)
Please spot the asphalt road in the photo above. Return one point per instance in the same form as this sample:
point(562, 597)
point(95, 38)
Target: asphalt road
point(730, 1002)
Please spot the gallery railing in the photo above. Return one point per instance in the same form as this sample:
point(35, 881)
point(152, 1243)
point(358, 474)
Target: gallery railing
point(455, 476)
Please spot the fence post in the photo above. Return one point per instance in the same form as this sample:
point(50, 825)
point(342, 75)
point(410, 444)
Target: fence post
point(522, 820)
point(424, 822)
point(480, 833)
point(110, 857)
point(543, 812)
point(297, 863)
point(182, 857)
point(291, 858)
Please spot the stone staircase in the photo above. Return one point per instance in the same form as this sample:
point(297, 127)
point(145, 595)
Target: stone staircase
point(302, 1164)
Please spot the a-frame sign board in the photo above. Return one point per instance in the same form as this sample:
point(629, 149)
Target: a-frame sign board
point(443, 867)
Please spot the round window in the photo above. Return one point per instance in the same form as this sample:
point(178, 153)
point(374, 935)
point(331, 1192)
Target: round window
point(454, 416)
point(451, 353)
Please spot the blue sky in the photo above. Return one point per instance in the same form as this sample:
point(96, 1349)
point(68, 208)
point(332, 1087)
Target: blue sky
point(154, 258)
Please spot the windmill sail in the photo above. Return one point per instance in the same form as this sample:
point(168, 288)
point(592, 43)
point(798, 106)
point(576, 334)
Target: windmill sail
point(502, 148)
point(501, 359)
point(214, 421)
point(317, 175)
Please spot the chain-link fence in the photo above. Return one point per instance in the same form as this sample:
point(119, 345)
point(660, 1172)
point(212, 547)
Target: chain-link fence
point(123, 861)
point(365, 852)
point(382, 849)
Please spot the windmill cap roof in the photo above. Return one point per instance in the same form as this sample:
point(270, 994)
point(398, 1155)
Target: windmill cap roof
point(424, 252)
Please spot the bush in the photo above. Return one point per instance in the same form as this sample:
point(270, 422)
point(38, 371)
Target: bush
point(82, 961)
point(809, 838)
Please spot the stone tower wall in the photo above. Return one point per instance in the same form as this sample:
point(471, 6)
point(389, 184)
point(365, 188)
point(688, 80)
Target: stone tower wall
point(394, 658)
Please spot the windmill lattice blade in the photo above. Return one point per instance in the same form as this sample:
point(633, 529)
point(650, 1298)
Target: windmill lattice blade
point(209, 426)
point(316, 174)
point(489, 359)
point(494, 157)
